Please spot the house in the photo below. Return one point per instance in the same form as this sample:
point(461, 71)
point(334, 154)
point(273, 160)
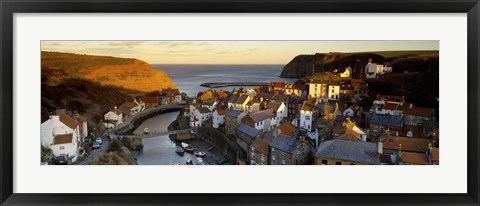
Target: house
point(353, 129)
point(279, 109)
point(195, 121)
point(346, 91)
point(218, 116)
point(258, 152)
point(113, 118)
point(276, 86)
point(131, 108)
point(233, 118)
point(317, 89)
point(289, 151)
point(253, 106)
point(232, 102)
point(379, 124)
point(263, 120)
point(345, 152)
point(294, 89)
point(211, 105)
point(333, 91)
point(415, 116)
point(82, 124)
point(373, 69)
point(359, 69)
point(306, 116)
point(204, 114)
point(359, 88)
point(294, 105)
point(287, 129)
point(61, 134)
point(347, 73)
point(245, 135)
point(242, 102)
point(151, 102)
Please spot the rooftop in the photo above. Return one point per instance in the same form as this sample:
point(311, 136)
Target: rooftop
point(355, 151)
point(284, 143)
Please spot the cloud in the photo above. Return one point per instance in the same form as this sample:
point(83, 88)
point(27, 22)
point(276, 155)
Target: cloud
point(126, 43)
point(182, 43)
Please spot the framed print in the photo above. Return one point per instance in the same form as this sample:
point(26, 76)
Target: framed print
point(248, 103)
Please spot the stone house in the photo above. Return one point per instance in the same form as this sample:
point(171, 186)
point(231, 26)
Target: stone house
point(346, 152)
point(289, 151)
point(245, 135)
point(233, 118)
point(263, 120)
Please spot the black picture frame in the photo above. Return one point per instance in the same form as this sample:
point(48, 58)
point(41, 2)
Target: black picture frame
point(10, 7)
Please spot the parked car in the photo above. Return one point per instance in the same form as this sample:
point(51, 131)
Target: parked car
point(98, 140)
point(61, 160)
point(96, 145)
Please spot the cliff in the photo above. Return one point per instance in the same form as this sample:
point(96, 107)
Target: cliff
point(303, 65)
point(127, 73)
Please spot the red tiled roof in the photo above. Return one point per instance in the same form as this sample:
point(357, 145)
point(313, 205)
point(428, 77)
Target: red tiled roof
point(127, 106)
point(277, 84)
point(414, 158)
point(287, 129)
point(63, 139)
point(70, 122)
point(150, 100)
point(116, 111)
point(408, 144)
point(391, 98)
point(419, 111)
point(260, 145)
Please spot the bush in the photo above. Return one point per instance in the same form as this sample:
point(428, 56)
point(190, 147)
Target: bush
point(133, 143)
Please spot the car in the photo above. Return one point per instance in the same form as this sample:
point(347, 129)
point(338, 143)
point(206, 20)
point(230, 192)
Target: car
point(98, 140)
point(96, 145)
point(61, 160)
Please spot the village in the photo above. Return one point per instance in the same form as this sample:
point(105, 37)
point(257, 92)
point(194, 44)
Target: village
point(319, 122)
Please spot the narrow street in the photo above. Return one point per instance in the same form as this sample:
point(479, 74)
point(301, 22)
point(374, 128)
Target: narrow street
point(96, 152)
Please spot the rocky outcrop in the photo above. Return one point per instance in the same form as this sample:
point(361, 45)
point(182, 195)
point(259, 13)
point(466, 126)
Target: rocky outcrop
point(304, 65)
point(300, 66)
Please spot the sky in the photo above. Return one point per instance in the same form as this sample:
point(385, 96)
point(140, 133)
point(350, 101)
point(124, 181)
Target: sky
point(226, 52)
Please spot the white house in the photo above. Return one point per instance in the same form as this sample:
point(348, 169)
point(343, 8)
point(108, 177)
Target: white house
point(132, 108)
point(195, 122)
point(263, 120)
point(203, 114)
point(211, 105)
point(218, 116)
point(294, 89)
point(333, 91)
point(242, 102)
point(279, 109)
point(306, 116)
point(61, 134)
point(113, 118)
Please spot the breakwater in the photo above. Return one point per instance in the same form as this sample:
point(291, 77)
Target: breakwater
point(230, 84)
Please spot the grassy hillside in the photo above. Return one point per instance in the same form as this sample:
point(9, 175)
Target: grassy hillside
point(88, 98)
point(128, 73)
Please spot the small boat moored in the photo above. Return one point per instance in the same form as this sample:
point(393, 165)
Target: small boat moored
point(187, 147)
point(200, 154)
point(146, 131)
point(180, 150)
point(188, 161)
point(211, 148)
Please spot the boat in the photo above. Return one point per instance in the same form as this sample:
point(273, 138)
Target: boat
point(199, 160)
point(188, 161)
point(146, 131)
point(180, 150)
point(200, 154)
point(211, 148)
point(184, 144)
point(189, 148)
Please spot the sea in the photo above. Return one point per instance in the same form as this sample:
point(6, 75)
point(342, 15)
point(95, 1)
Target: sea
point(189, 77)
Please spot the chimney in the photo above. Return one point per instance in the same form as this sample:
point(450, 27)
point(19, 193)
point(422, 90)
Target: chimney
point(410, 106)
point(302, 138)
point(396, 135)
point(370, 60)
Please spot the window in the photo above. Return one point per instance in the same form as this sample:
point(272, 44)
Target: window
point(61, 147)
point(253, 148)
point(338, 163)
point(273, 157)
point(307, 117)
point(253, 162)
point(324, 162)
point(283, 153)
point(283, 162)
point(332, 96)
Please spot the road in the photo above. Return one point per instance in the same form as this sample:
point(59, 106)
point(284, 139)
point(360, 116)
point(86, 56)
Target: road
point(96, 152)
